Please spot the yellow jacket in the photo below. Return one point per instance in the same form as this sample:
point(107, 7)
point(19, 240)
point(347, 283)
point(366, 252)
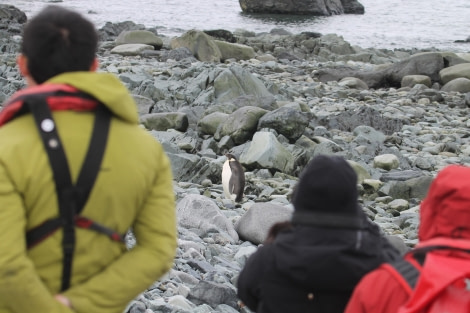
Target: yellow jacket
point(134, 188)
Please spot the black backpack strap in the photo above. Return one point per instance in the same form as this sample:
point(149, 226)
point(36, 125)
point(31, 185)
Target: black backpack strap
point(94, 156)
point(410, 272)
point(71, 198)
point(407, 270)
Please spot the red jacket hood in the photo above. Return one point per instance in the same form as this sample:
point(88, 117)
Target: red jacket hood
point(445, 212)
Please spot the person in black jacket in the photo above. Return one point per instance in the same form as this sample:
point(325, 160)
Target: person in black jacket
point(315, 261)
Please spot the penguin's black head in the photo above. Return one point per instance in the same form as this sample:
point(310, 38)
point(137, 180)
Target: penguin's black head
point(230, 157)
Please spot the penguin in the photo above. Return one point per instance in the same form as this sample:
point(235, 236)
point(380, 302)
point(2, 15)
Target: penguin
point(233, 178)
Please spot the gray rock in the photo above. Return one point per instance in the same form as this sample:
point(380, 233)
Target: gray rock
point(165, 121)
point(366, 115)
point(235, 82)
point(354, 83)
point(256, 222)
point(223, 308)
point(182, 164)
point(429, 64)
point(352, 7)
point(234, 51)
point(401, 175)
point(11, 14)
point(453, 72)
point(144, 104)
point(461, 84)
point(222, 34)
point(398, 243)
point(361, 171)
point(208, 124)
point(386, 161)
point(408, 189)
point(131, 49)
point(372, 135)
point(139, 37)
point(178, 301)
point(332, 43)
point(266, 151)
point(319, 7)
point(286, 121)
point(241, 124)
point(200, 44)
point(412, 80)
point(213, 294)
point(467, 99)
point(178, 54)
point(111, 30)
point(199, 212)
point(326, 147)
point(137, 307)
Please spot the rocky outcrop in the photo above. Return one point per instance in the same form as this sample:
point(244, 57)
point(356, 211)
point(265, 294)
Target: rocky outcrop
point(139, 37)
point(352, 7)
point(304, 7)
point(429, 64)
point(200, 44)
point(10, 17)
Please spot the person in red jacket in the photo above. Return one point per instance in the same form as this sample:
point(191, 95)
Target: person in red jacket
point(445, 221)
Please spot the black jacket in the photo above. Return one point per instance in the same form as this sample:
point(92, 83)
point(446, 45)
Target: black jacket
point(311, 268)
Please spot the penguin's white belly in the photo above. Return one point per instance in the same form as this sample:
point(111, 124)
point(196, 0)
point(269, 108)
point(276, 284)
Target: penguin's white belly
point(226, 174)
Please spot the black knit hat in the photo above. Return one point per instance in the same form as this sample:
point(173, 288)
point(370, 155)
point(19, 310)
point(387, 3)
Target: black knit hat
point(327, 185)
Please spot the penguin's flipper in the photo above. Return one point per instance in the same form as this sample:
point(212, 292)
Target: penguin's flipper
point(236, 189)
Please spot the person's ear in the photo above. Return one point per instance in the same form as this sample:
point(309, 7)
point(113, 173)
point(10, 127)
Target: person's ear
point(22, 62)
point(95, 65)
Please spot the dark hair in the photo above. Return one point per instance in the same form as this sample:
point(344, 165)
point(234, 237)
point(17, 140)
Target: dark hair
point(56, 41)
point(275, 229)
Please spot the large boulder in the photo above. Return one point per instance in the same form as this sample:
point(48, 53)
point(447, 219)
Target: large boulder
point(213, 294)
point(241, 124)
point(110, 31)
point(208, 124)
point(165, 121)
point(131, 49)
point(460, 84)
point(10, 14)
point(11, 24)
point(267, 152)
point(453, 72)
point(286, 121)
point(236, 81)
point(200, 44)
point(352, 7)
point(203, 215)
point(139, 36)
point(363, 116)
point(413, 80)
point(303, 7)
point(428, 64)
point(234, 51)
point(256, 222)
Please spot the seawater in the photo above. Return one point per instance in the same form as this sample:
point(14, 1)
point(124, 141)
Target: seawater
point(386, 24)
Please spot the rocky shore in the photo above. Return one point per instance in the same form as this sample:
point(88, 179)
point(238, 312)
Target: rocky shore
point(275, 100)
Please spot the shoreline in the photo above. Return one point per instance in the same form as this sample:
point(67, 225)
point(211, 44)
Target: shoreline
point(396, 138)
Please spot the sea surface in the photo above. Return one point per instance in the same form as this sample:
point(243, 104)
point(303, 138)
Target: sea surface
point(386, 24)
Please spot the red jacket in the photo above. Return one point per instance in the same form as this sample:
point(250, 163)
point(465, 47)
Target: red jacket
point(445, 219)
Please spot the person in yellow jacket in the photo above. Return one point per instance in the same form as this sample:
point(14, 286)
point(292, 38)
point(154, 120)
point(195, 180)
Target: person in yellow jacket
point(133, 188)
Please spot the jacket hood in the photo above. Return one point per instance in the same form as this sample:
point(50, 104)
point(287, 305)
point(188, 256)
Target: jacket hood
point(445, 212)
point(328, 184)
point(106, 88)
